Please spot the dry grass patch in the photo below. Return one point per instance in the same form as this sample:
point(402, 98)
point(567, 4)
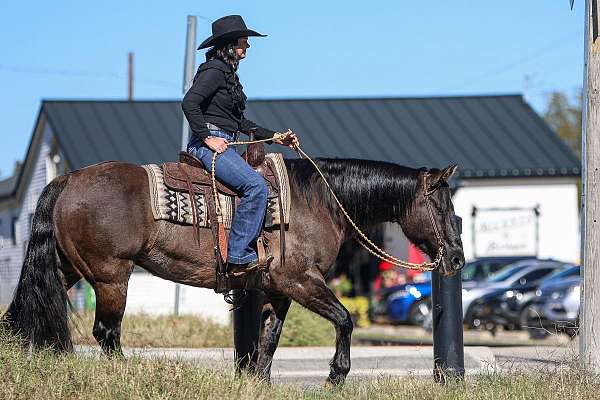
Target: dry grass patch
point(302, 328)
point(44, 375)
point(158, 331)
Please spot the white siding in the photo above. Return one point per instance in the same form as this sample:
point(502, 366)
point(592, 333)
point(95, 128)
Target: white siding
point(11, 256)
point(557, 200)
point(151, 295)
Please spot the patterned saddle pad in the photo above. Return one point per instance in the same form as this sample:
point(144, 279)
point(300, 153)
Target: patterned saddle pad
point(176, 206)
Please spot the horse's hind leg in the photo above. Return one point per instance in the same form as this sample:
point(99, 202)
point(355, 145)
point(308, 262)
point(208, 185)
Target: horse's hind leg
point(69, 276)
point(312, 292)
point(273, 315)
point(111, 297)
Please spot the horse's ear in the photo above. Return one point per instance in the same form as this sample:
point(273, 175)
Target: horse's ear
point(448, 172)
point(442, 176)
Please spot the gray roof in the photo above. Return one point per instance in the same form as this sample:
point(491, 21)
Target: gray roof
point(8, 186)
point(488, 136)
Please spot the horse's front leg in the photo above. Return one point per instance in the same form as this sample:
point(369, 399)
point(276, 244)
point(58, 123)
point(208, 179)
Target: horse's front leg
point(273, 315)
point(312, 292)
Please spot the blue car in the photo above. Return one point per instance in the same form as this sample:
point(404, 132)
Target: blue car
point(409, 303)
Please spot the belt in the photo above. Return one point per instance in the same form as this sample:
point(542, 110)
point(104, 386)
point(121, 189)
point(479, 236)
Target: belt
point(213, 127)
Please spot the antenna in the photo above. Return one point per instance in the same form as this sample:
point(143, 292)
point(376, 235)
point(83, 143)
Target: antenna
point(130, 76)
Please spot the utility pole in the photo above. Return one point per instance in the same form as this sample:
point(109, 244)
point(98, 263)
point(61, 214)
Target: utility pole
point(130, 76)
point(188, 74)
point(188, 71)
point(589, 343)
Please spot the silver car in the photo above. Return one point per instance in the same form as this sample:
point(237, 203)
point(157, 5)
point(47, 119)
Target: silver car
point(519, 273)
point(556, 306)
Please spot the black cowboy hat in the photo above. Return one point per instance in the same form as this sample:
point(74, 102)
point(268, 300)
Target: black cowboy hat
point(228, 28)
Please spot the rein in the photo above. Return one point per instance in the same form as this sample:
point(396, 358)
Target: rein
point(364, 240)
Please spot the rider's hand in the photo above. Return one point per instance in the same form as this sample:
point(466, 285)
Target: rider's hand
point(288, 139)
point(216, 144)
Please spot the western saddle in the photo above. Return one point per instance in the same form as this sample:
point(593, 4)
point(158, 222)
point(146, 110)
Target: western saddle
point(189, 175)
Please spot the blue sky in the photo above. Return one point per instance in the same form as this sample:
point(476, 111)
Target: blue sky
point(78, 50)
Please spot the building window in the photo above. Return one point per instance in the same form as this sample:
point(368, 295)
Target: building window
point(13, 230)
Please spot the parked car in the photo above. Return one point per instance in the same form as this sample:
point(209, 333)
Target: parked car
point(555, 307)
point(480, 268)
point(411, 302)
point(503, 298)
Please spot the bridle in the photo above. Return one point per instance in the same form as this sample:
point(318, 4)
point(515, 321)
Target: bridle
point(427, 192)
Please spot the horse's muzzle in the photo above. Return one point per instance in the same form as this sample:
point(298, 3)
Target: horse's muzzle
point(457, 261)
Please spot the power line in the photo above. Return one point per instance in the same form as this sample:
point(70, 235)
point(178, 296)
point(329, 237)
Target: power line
point(500, 70)
point(83, 74)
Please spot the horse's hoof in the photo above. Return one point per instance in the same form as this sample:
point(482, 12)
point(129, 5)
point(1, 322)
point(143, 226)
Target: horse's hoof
point(334, 382)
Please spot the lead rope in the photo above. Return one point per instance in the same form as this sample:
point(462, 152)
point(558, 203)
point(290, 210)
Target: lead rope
point(374, 250)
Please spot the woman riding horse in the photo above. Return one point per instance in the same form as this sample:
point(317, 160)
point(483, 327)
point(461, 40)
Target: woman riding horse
point(74, 236)
point(214, 107)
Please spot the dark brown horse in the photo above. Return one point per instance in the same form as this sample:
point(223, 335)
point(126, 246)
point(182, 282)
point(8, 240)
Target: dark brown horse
point(96, 224)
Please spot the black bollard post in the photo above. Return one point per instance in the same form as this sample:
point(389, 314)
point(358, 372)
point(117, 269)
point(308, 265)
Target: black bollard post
point(448, 350)
point(246, 329)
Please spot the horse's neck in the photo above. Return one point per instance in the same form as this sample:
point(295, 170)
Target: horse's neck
point(371, 199)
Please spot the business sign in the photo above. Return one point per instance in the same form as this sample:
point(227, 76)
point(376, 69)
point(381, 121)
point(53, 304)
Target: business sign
point(505, 232)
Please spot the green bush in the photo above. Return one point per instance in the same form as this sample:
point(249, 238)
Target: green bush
point(358, 307)
point(305, 328)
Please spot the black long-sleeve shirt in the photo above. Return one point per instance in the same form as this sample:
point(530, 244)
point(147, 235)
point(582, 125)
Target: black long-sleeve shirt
point(208, 100)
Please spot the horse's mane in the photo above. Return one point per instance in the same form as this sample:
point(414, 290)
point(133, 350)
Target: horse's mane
point(371, 191)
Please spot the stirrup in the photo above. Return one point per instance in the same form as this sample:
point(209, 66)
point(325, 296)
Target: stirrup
point(241, 269)
point(234, 300)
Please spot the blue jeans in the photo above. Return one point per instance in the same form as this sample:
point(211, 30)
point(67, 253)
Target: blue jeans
point(233, 171)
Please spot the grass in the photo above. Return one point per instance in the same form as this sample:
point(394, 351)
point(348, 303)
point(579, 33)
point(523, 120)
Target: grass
point(158, 331)
point(302, 328)
point(44, 375)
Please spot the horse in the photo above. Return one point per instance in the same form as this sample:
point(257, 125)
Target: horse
point(96, 224)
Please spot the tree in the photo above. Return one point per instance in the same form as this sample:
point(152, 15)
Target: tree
point(564, 117)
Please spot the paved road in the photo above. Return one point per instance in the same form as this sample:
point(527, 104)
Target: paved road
point(310, 365)
point(531, 358)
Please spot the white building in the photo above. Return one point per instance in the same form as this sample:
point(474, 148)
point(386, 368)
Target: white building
point(513, 228)
point(510, 163)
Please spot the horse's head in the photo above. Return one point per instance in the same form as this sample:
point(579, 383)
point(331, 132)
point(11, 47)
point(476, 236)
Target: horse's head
point(432, 225)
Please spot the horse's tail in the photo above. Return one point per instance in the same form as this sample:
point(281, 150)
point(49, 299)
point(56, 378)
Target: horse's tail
point(38, 311)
